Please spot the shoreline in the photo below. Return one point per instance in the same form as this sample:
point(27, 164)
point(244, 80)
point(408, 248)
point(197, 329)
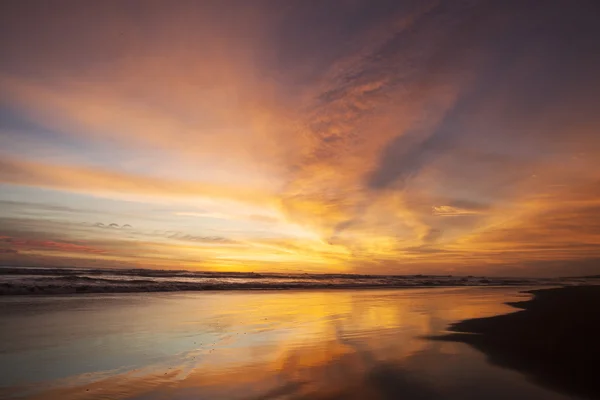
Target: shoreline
point(553, 338)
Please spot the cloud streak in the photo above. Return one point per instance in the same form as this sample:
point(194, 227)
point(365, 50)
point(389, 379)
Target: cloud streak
point(96, 180)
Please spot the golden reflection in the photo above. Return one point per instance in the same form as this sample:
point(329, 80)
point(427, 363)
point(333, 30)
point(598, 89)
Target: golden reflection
point(298, 344)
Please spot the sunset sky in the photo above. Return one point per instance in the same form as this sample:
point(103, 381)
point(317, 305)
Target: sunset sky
point(359, 136)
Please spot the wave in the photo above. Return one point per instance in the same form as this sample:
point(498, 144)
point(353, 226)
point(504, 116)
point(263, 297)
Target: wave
point(38, 280)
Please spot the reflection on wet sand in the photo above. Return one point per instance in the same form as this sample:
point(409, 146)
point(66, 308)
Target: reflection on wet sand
point(267, 345)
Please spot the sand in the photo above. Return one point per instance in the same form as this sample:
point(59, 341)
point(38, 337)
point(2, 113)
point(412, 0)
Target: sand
point(554, 339)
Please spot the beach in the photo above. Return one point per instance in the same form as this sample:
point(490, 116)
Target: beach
point(294, 344)
point(553, 340)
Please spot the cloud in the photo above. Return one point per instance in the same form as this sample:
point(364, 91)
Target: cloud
point(8, 251)
point(205, 214)
point(111, 226)
point(32, 244)
point(232, 216)
point(40, 206)
point(186, 237)
point(214, 114)
point(441, 134)
point(93, 180)
point(432, 235)
point(402, 159)
point(449, 211)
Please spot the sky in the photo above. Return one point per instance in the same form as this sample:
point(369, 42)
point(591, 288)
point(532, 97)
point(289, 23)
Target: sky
point(334, 136)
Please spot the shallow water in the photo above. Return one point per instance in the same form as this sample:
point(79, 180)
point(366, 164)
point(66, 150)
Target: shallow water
point(253, 345)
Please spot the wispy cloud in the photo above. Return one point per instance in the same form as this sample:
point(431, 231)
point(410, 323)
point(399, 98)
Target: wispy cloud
point(29, 244)
point(95, 180)
point(449, 211)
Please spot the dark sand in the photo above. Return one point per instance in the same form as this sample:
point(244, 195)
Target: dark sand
point(554, 340)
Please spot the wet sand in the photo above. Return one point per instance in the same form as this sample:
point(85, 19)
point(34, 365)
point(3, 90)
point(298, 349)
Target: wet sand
point(229, 345)
point(554, 340)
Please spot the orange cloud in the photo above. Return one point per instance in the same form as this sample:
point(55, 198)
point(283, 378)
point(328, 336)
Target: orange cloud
point(93, 180)
point(31, 244)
